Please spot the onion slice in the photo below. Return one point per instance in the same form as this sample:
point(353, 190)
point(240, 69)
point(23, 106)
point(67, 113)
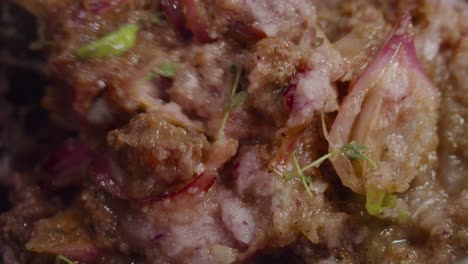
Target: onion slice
point(199, 185)
point(392, 109)
point(104, 171)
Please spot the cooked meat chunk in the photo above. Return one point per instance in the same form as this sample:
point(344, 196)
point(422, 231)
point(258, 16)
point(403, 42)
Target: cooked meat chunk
point(63, 234)
point(157, 156)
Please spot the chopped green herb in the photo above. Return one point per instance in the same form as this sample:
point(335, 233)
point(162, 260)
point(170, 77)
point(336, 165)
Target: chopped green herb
point(62, 259)
point(389, 201)
point(377, 201)
point(352, 151)
point(234, 100)
point(303, 178)
point(113, 44)
point(168, 69)
point(355, 151)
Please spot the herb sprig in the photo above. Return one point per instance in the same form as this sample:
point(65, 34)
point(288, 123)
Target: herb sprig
point(355, 151)
point(302, 177)
point(235, 100)
point(352, 151)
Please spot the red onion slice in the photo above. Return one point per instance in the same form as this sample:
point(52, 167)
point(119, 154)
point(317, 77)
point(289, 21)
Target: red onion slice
point(392, 109)
point(290, 92)
point(104, 173)
point(201, 184)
